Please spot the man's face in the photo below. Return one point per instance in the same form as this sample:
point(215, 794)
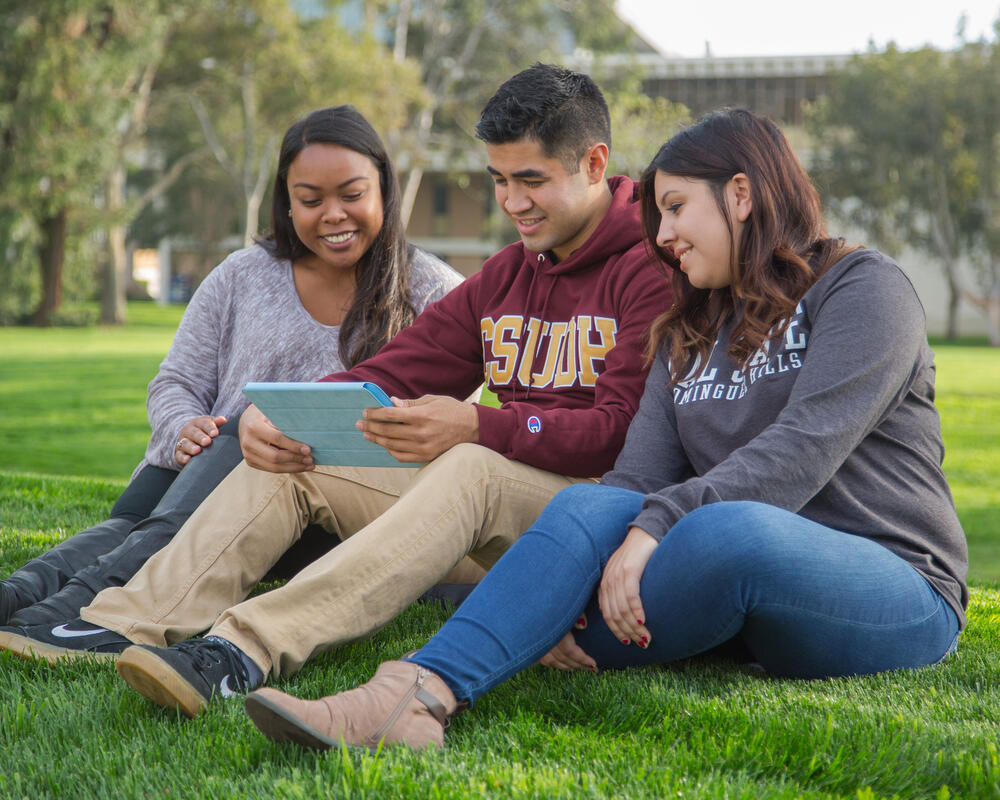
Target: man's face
point(553, 209)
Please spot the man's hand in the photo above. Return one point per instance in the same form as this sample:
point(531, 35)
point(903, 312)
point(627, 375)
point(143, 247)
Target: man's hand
point(618, 594)
point(421, 429)
point(267, 448)
point(196, 435)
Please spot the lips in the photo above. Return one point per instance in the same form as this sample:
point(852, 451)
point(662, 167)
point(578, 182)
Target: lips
point(528, 224)
point(338, 238)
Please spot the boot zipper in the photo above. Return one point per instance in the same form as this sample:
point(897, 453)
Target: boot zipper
point(398, 710)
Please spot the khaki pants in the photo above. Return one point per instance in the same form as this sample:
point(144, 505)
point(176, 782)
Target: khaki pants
point(404, 530)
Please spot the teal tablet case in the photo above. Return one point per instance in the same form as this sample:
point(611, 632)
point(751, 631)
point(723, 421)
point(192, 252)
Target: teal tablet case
point(322, 415)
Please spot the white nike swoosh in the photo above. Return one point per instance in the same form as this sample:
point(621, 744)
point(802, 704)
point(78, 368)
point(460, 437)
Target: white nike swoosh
point(224, 689)
point(63, 632)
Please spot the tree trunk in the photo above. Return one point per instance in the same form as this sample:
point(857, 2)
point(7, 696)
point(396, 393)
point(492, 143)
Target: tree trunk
point(115, 278)
point(425, 122)
point(413, 179)
point(993, 306)
point(993, 315)
point(944, 232)
point(255, 197)
point(954, 296)
point(252, 212)
point(51, 253)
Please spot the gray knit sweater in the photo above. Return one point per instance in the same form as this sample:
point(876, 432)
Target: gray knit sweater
point(836, 422)
point(246, 323)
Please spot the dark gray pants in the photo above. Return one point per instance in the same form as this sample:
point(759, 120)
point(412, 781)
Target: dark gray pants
point(56, 585)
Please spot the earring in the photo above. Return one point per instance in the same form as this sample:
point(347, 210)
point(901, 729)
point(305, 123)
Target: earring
point(289, 212)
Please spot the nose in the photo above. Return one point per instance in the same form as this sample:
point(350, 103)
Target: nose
point(516, 201)
point(665, 236)
point(334, 212)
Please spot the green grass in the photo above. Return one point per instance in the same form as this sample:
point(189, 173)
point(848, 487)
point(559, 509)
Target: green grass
point(702, 729)
point(72, 400)
point(968, 398)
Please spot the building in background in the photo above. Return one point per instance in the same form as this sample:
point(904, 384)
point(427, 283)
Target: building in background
point(455, 215)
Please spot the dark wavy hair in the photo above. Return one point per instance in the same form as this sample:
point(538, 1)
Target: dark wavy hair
point(783, 250)
point(564, 111)
point(381, 306)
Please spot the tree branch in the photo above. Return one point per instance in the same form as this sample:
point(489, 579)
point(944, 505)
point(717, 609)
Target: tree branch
point(168, 179)
point(213, 142)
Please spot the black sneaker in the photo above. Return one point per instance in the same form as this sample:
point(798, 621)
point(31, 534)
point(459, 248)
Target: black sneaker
point(74, 639)
point(8, 602)
point(186, 675)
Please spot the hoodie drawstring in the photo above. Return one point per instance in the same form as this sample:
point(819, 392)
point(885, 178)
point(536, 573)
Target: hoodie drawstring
point(525, 332)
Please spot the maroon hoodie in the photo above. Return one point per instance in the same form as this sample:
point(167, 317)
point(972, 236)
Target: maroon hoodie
point(561, 344)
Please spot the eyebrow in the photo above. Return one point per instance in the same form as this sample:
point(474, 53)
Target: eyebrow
point(521, 173)
point(349, 181)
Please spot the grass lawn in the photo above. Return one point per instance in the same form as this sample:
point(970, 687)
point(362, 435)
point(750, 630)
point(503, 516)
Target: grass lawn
point(72, 426)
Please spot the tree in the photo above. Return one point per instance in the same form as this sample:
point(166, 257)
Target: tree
point(463, 49)
point(907, 149)
point(243, 70)
point(639, 125)
point(128, 144)
point(60, 66)
point(978, 67)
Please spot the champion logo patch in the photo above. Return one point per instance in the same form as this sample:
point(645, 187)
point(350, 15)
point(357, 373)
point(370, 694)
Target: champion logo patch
point(534, 424)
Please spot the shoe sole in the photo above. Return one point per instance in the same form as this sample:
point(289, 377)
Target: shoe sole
point(156, 680)
point(33, 650)
point(280, 725)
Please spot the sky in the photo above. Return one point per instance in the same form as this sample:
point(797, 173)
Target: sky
point(801, 27)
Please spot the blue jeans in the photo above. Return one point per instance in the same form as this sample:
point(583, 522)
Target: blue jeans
point(806, 600)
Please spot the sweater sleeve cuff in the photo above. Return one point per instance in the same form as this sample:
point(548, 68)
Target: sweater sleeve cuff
point(654, 521)
point(494, 429)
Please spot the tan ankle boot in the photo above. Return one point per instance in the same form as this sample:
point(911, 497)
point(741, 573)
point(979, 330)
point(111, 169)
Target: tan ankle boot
point(403, 704)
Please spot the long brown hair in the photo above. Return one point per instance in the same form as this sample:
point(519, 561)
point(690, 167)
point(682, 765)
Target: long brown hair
point(783, 248)
point(381, 306)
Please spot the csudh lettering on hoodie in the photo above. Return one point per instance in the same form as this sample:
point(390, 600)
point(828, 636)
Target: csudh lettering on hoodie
point(571, 351)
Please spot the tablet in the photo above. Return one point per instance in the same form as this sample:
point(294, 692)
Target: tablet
point(322, 415)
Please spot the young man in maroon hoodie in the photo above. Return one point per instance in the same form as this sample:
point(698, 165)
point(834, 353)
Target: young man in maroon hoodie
point(556, 324)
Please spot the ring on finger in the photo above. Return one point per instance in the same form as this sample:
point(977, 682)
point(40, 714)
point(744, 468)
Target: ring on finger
point(180, 443)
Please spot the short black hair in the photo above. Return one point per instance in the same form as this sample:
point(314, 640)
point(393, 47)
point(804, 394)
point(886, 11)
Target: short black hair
point(564, 111)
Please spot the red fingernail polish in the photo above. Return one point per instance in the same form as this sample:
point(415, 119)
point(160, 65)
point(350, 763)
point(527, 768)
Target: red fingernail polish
point(638, 622)
point(582, 622)
point(625, 641)
point(644, 639)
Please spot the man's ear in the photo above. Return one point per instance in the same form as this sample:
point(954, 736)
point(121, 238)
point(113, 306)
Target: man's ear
point(739, 186)
point(595, 162)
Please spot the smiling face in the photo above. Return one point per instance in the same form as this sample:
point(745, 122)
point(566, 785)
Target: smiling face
point(336, 204)
point(693, 227)
point(553, 209)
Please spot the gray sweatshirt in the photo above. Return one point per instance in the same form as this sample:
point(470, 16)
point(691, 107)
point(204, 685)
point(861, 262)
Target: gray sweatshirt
point(836, 422)
point(246, 323)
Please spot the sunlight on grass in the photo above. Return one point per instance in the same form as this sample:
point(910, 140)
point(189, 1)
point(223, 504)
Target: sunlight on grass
point(72, 403)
